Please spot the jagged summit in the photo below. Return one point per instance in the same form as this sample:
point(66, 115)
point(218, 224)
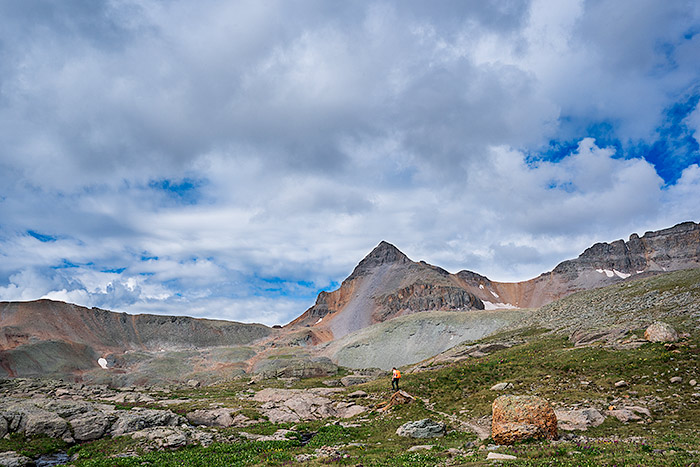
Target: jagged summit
point(384, 253)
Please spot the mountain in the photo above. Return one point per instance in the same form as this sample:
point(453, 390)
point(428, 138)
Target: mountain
point(46, 336)
point(384, 285)
point(600, 265)
point(389, 309)
point(387, 284)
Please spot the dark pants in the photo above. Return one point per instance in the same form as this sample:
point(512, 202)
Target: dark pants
point(395, 384)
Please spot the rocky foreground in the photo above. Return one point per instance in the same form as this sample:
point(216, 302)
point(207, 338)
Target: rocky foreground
point(347, 417)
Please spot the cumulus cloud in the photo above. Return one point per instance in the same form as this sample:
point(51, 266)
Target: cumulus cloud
point(230, 159)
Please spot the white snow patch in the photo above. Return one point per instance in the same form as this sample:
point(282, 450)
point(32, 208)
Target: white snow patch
point(639, 272)
point(102, 362)
point(319, 320)
point(607, 272)
point(498, 306)
point(452, 337)
point(481, 286)
point(621, 275)
point(494, 294)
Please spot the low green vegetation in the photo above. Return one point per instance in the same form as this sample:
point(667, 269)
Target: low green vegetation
point(31, 446)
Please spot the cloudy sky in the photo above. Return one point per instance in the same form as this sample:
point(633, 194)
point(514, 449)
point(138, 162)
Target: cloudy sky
point(230, 159)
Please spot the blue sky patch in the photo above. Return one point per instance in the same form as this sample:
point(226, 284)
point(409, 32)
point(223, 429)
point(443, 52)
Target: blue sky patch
point(42, 237)
point(185, 191)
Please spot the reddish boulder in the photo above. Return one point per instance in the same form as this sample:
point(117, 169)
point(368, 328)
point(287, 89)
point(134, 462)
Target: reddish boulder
point(660, 332)
point(517, 418)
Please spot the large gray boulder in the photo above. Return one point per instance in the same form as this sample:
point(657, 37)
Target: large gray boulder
point(135, 420)
point(425, 428)
point(91, 426)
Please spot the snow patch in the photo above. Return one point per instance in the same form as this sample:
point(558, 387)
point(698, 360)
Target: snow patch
point(614, 272)
point(319, 320)
point(498, 306)
point(481, 286)
point(494, 294)
point(639, 272)
point(102, 362)
point(621, 275)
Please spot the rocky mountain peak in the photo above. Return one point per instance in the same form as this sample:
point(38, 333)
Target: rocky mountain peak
point(384, 253)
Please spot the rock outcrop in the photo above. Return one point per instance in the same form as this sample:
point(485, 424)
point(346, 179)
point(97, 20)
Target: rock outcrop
point(516, 418)
point(425, 428)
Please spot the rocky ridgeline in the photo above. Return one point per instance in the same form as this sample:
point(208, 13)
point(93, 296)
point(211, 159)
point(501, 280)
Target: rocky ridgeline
point(672, 296)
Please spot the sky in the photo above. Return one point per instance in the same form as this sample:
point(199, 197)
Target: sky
point(230, 159)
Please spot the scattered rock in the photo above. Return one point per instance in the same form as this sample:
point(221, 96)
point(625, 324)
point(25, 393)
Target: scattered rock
point(501, 386)
point(621, 384)
point(692, 382)
point(425, 428)
point(215, 417)
point(162, 437)
point(193, 383)
point(585, 337)
point(91, 426)
point(357, 394)
point(352, 380)
point(516, 418)
point(501, 457)
point(279, 435)
point(136, 420)
point(14, 459)
point(676, 379)
point(579, 419)
point(660, 332)
point(420, 447)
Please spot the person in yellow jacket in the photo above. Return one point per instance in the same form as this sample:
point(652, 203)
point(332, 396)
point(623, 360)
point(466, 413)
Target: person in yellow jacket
point(395, 377)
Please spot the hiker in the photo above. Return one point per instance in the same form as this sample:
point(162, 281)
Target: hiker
point(395, 377)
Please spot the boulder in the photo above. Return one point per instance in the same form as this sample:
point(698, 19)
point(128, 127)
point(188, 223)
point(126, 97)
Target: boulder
point(215, 417)
point(352, 380)
point(425, 428)
point(624, 415)
point(516, 418)
point(4, 428)
point(14, 459)
point(163, 437)
point(660, 332)
point(135, 420)
point(91, 426)
point(497, 456)
point(501, 386)
point(579, 419)
point(629, 413)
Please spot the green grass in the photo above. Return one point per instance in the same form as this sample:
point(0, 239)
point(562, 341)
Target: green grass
point(31, 446)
